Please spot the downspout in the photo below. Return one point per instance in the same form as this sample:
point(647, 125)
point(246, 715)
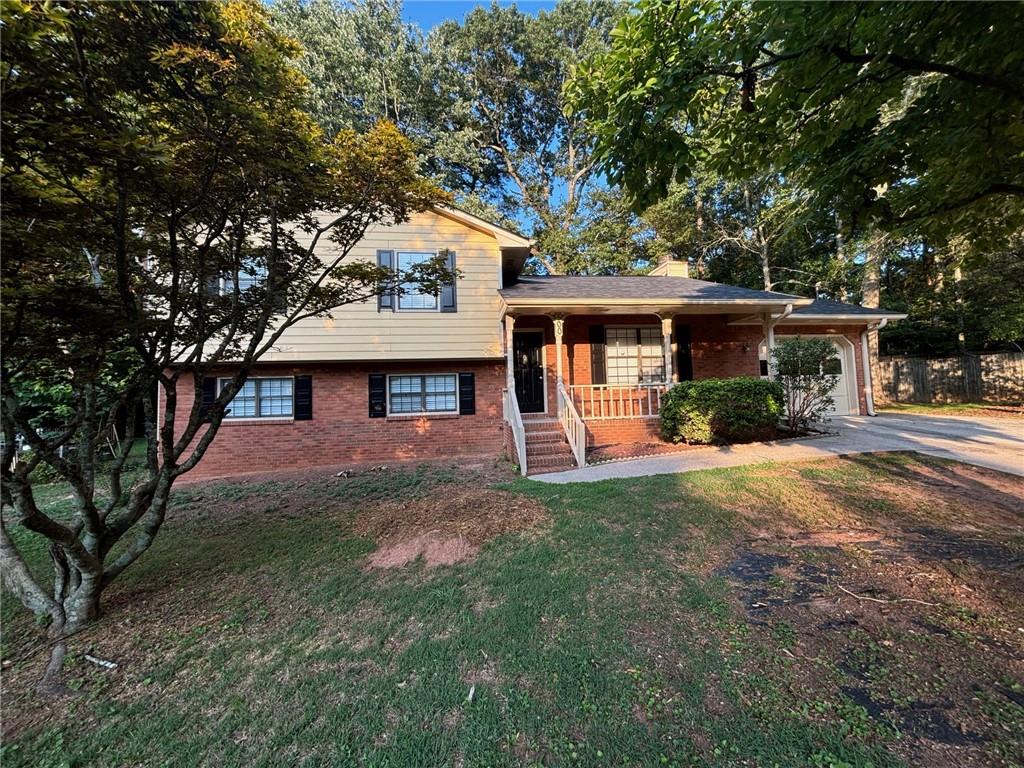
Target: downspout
point(865, 363)
point(769, 335)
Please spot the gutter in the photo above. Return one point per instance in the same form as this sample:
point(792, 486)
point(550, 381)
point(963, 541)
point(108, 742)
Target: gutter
point(865, 362)
point(769, 335)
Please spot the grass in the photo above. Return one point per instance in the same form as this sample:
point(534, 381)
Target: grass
point(616, 634)
point(955, 409)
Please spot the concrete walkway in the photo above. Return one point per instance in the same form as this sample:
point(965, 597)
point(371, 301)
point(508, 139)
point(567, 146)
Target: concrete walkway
point(994, 443)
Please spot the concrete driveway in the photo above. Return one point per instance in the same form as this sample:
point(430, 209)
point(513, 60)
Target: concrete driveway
point(994, 443)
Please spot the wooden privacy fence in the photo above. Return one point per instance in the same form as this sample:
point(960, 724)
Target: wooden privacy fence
point(995, 378)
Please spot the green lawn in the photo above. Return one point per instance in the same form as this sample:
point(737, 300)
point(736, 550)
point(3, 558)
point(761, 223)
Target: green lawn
point(683, 620)
point(956, 409)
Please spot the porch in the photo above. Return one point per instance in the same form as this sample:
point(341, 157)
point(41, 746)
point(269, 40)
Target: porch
point(583, 382)
point(595, 354)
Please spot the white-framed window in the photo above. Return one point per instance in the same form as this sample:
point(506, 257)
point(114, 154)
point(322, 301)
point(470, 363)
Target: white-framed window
point(634, 355)
point(262, 398)
point(246, 280)
point(423, 393)
point(412, 298)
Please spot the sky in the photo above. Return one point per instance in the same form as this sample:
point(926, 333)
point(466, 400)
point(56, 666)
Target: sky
point(429, 13)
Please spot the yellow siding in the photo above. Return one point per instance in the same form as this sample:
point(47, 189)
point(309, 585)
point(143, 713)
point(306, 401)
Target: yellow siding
point(360, 332)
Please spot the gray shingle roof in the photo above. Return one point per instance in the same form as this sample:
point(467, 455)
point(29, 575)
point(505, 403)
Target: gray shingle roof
point(828, 307)
point(654, 287)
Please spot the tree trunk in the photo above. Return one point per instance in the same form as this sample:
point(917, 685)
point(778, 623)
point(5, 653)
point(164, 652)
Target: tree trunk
point(871, 292)
point(844, 292)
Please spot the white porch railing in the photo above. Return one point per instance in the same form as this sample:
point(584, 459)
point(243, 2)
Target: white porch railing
point(510, 408)
point(618, 401)
point(573, 426)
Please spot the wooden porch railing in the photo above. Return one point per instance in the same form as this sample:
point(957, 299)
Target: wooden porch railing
point(618, 401)
point(510, 406)
point(573, 426)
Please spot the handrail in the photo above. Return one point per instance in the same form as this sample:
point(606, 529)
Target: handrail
point(618, 401)
point(510, 406)
point(573, 426)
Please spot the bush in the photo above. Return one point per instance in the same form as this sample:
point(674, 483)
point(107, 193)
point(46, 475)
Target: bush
point(807, 370)
point(721, 411)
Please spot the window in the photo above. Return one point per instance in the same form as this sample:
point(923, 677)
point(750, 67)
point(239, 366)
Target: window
point(429, 393)
point(246, 280)
point(262, 399)
point(412, 297)
point(634, 355)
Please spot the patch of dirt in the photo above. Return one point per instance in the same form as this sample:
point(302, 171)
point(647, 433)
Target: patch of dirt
point(432, 547)
point(918, 624)
point(445, 531)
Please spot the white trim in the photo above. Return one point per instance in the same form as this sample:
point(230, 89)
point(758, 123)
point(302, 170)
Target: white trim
point(237, 419)
point(505, 237)
point(543, 364)
point(387, 393)
point(796, 319)
point(628, 327)
point(517, 301)
point(849, 370)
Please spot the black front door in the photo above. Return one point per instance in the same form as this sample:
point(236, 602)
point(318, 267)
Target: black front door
point(528, 353)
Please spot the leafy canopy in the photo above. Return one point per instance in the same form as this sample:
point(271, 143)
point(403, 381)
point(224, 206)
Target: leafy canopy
point(896, 113)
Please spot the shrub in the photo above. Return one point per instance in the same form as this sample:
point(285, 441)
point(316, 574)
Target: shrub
point(721, 411)
point(806, 369)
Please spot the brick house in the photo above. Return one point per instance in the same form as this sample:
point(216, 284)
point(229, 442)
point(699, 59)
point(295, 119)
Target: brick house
point(538, 368)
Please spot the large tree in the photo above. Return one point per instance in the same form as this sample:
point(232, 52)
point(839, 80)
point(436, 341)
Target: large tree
point(365, 64)
point(894, 114)
point(506, 71)
point(160, 188)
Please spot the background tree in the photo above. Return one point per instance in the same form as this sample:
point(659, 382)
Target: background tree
point(137, 190)
point(900, 121)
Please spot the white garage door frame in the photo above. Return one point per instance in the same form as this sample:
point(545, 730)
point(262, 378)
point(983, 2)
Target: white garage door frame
point(849, 362)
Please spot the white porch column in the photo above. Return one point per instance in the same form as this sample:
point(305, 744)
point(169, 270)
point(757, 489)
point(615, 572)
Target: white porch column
point(559, 323)
point(510, 363)
point(666, 342)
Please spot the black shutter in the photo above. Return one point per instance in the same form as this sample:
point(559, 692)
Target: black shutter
point(597, 355)
point(448, 289)
point(303, 398)
point(208, 397)
point(467, 394)
point(386, 300)
point(378, 396)
point(684, 357)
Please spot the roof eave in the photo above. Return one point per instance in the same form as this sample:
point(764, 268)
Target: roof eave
point(525, 302)
point(820, 318)
point(506, 237)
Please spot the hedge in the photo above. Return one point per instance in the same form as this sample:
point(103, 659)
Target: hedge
point(721, 410)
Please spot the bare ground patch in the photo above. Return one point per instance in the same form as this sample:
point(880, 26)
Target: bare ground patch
point(907, 610)
point(447, 530)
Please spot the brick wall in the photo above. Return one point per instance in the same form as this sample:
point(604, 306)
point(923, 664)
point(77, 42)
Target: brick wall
point(341, 432)
point(614, 431)
point(719, 350)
